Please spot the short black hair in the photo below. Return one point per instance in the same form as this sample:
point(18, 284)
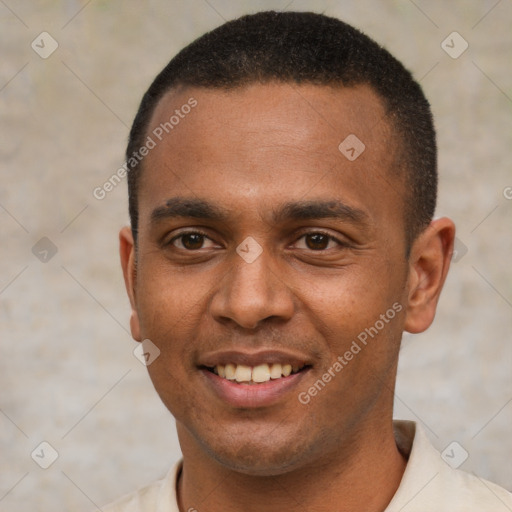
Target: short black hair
point(304, 47)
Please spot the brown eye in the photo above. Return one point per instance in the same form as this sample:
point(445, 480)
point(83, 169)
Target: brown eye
point(317, 241)
point(192, 241)
point(189, 241)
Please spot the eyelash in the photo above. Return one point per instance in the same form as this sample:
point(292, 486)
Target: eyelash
point(317, 232)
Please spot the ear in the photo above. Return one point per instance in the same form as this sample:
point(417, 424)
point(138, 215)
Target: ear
point(429, 261)
point(128, 263)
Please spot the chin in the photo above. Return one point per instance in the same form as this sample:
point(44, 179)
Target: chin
point(253, 464)
point(264, 456)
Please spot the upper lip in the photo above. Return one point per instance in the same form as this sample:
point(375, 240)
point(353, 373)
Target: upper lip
point(212, 359)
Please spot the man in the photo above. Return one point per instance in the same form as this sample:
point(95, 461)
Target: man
point(282, 185)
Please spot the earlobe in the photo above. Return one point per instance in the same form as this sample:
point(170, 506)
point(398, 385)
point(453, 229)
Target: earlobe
point(429, 263)
point(128, 264)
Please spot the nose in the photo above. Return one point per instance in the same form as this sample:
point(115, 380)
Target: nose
point(251, 293)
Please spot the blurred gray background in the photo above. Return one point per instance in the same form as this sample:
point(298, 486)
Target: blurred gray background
point(67, 372)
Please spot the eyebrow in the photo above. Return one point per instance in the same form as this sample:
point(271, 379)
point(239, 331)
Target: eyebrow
point(177, 207)
point(189, 207)
point(310, 210)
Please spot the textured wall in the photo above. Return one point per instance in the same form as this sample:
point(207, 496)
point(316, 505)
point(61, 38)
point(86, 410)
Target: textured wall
point(67, 372)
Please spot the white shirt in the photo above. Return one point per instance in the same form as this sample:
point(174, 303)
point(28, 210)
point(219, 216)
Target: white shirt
point(428, 484)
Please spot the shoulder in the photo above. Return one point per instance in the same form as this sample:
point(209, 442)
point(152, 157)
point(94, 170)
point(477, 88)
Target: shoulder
point(455, 490)
point(158, 496)
point(138, 501)
point(430, 483)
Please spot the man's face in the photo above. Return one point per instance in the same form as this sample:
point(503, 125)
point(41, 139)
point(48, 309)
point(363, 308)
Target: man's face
point(263, 162)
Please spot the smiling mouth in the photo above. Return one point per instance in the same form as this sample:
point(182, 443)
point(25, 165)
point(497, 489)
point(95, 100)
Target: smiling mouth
point(243, 374)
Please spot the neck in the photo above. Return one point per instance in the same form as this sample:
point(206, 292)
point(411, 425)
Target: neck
point(363, 475)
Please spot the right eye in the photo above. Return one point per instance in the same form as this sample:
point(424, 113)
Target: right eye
point(190, 241)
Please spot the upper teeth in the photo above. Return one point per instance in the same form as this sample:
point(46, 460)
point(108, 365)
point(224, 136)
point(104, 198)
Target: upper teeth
point(259, 373)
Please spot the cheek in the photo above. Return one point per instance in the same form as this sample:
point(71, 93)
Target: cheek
point(361, 329)
point(169, 299)
point(169, 310)
point(176, 389)
point(347, 305)
point(360, 320)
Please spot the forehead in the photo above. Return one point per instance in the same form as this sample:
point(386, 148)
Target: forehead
point(266, 143)
point(304, 114)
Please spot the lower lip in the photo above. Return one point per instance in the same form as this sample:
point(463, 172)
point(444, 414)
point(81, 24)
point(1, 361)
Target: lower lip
point(253, 395)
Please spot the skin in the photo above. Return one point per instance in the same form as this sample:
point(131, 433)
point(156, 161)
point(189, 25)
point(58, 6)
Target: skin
point(249, 151)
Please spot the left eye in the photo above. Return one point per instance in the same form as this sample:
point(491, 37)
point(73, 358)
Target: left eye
point(318, 241)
